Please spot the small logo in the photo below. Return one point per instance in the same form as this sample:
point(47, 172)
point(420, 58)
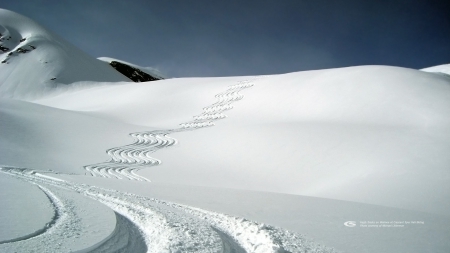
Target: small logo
point(350, 224)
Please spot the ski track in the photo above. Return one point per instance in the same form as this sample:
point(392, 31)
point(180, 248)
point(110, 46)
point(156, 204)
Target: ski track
point(151, 225)
point(65, 225)
point(58, 208)
point(125, 238)
point(127, 160)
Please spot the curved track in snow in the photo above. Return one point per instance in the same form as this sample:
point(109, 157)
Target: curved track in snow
point(151, 225)
point(126, 238)
point(128, 159)
point(58, 209)
point(70, 227)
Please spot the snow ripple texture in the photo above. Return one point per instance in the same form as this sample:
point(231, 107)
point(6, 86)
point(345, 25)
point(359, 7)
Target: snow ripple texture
point(128, 159)
point(151, 225)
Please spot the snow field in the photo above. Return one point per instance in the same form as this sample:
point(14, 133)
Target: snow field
point(253, 236)
point(169, 227)
point(78, 223)
point(126, 160)
point(25, 211)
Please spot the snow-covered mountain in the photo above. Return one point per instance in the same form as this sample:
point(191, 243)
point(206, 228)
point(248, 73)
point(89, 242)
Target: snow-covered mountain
point(350, 159)
point(35, 60)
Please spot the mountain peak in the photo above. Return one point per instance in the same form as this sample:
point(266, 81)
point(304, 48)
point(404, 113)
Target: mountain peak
point(34, 60)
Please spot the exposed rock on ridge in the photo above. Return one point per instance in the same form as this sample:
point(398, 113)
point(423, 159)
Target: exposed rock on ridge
point(133, 73)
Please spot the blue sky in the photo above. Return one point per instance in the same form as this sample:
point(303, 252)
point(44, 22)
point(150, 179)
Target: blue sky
point(223, 38)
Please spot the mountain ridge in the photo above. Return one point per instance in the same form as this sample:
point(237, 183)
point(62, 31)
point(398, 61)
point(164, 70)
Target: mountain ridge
point(35, 60)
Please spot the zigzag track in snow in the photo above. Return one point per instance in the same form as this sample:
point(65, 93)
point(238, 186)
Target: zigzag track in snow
point(161, 226)
point(127, 160)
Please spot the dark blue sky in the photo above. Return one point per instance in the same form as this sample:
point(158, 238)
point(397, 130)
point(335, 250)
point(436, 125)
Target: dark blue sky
point(248, 37)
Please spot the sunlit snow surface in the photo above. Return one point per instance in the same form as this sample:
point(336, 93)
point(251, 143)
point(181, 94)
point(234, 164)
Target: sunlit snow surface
point(92, 163)
point(443, 69)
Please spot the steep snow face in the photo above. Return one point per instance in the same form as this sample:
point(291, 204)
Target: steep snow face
point(34, 61)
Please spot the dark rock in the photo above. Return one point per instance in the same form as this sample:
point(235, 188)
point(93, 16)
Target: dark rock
point(22, 40)
point(4, 49)
point(134, 74)
point(22, 50)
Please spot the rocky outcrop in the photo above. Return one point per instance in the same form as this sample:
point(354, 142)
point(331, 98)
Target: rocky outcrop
point(134, 74)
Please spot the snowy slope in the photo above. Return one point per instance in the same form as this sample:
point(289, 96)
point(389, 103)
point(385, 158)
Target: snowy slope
point(333, 133)
point(372, 140)
point(22, 224)
point(34, 56)
point(54, 139)
point(443, 69)
point(318, 218)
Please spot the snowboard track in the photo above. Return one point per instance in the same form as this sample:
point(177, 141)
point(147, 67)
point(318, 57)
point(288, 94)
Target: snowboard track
point(146, 224)
point(127, 160)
